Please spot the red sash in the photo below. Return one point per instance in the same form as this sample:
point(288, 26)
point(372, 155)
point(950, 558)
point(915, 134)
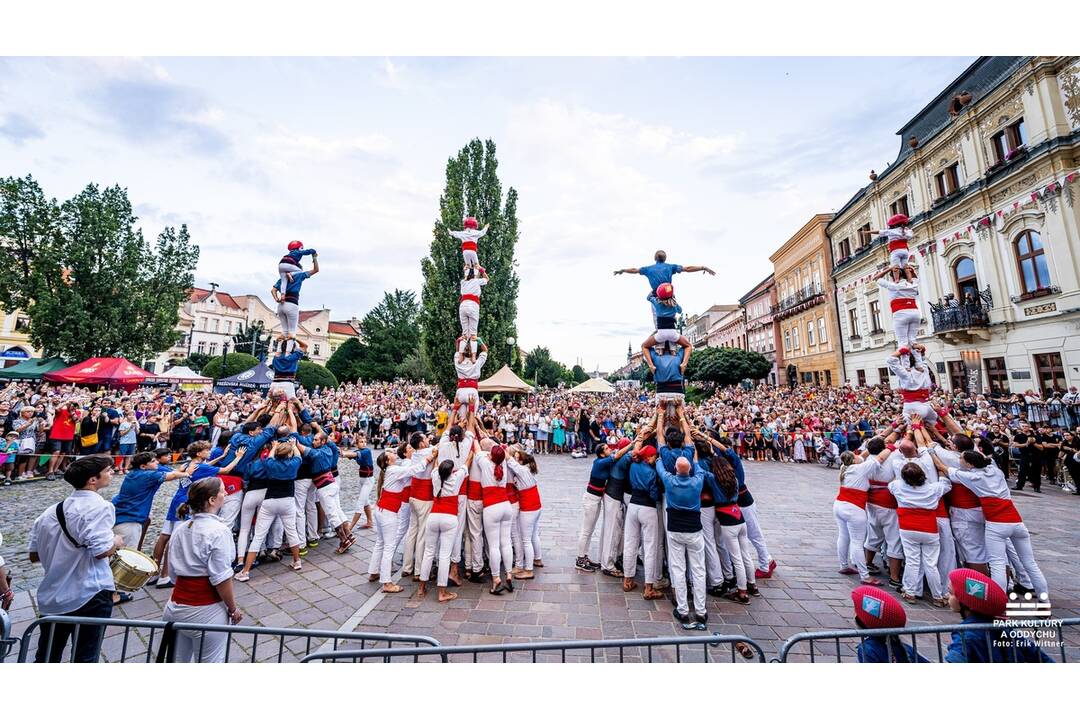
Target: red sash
point(423, 489)
point(233, 483)
point(1000, 510)
point(406, 493)
point(917, 519)
point(942, 510)
point(467, 383)
point(530, 499)
point(474, 298)
point(512, 494)
point(447, 505)
point(853, 496)
point(903, 304)
point(494, 494)
point(730, 510)
point(327, 478)
point(879, 495)
point(921, 395)
point(194, 591)
point(898, 245)
point(468, 245)
point(961, 497)
point(475, 490)
point(390, 500)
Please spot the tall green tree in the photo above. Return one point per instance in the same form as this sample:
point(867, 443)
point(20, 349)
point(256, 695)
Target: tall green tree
point(83, 273)
point(727, 366)
point(544, 370)
point(389, 333)
point(254, 340)
point(472, 189)
point(345, 362)
point(578, 374)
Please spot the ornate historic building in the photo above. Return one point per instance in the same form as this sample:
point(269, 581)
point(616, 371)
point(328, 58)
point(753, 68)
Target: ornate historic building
point(759, 306)
point(987, 173)
point(804, 314)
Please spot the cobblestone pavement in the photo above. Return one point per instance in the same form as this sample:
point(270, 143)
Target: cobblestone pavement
point(332, 592)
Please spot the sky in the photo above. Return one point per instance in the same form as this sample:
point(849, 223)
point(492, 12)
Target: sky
point(716, 160)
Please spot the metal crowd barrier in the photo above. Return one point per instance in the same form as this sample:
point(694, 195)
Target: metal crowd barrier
point(662, 649)
point(840, 645)
point(136, 641)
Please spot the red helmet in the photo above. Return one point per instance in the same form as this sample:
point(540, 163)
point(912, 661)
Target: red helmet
point(877, 608)
point(665, 291)
point(470, 222)
point(296, 245)
point(978, 592)
point(898, 220)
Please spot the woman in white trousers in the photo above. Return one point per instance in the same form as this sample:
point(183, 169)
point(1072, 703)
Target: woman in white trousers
point(917, 499)
point(442, 527)
point(393, 480)
point(498, 516)
point(733, 535)
point(523, 472)
point(281, 469)
point(849, 509)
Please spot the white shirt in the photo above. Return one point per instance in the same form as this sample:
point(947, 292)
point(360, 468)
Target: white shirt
point(898, 290)
point(923, 497)
point(459, 454)
point(923, 460)
point(202, 547)
point(910, 378)
point(522, 476)
point(469, 370)
point(472, 287)
point(896, 234)
point(399, 476)
point(74, 575)
point(468, 235)
point(452, 486)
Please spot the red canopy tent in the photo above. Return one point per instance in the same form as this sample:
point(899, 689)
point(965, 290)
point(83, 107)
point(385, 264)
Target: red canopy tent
point(111, 371)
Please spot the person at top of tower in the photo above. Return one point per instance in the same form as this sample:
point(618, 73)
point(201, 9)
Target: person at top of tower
point(662, 271)
point(468, 237)
point(290, 262)
point(897, 237)
point(287, 296)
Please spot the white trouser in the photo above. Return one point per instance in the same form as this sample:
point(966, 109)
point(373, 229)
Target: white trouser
point(497, 521)
point(131, 532)
point(947, 554)
point(883, 528)
point(286, 386)
point(416, 538)
point(269, 509)
point(195, 645)
point(230, 509)
point(469, 315)
point(661, 535)
point(439, 533)
point(364, 500)
point(469, 256)
point(923, 410)
point(899, 257)
point(1013, 560)
point(474, 559)
point(681, 545)
point(851, 534)
point(757, 538)
point(249, 507)
point(468, 398)
point(714, 574)
point(462, 512)
point(921, 551)
point(737, 543)
point(996, 535)
point(529, 529)
point(640, 532)
point(590, 511)
point(307, 516)
point(276, 536)
point(461, 346)
point(670, 335)
point(284, 269)
point(906, 326)
point(329, 497)
point(611, 534)
point(289, 315)
point(405, 520)
point(970, 536)
point(386, 532)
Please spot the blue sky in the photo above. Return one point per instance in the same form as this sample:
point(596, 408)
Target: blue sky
point(718, 161)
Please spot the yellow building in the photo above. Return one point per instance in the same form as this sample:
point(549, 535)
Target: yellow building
point(14, 341)
point(804, 309)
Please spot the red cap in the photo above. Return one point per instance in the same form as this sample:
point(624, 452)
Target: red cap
point(470, 222)
point(647, 452)
point(877, 608)
point(665, 291)
point(621, 444)
point(296, 245)
point(898, 219)
point(978, 592)
point(904, 351)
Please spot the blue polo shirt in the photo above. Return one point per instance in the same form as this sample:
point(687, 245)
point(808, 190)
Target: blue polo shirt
point(285, 366)
point(644, 489)
point(136, 495)
point(875, 650)
point(660, 273)
point(292, 290)
point(683, 495)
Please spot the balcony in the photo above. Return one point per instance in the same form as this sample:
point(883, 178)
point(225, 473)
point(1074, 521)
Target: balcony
point(797, 302)
point(963, 321)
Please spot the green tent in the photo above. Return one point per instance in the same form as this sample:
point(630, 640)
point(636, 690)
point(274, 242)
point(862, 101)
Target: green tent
point(32, 369)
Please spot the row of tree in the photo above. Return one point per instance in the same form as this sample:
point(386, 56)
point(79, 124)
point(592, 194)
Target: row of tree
point(716, 365)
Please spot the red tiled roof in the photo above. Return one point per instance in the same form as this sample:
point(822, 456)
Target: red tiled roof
point(306, 315)
point(227, 300)
point(342, 328)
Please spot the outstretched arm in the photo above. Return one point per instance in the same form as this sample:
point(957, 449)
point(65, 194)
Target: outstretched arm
point(629, 271)
point(314, 265)
point(698, 268)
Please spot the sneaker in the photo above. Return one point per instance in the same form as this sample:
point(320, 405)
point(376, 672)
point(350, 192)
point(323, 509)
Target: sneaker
point(303, 551)
point(582, 563)
point(662, 584)
point(895, 584)
point(716, 591)
point(751, 588)
point(759, 573)
point(684, 619)
point(313, 543)
point(593, 565)
point(702, 619)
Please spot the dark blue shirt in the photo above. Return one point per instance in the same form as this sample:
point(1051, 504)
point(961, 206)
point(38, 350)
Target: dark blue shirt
point(281, 477)
point(287, 365)
point(292, 290)
point(660, 273)
point(995, 645)
point(616, 484)
point(644, 488)
point(136, 495)
point(322, 459)
point(667, 367)
point(876, 650)
point(668, 456)
point(598, 476)
point(683, 494)
point(296, 255)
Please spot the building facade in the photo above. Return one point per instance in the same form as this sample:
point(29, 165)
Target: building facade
point(14, 341)
point(758, 307)
point(698, 326)
point(987, 173)
point(805, 315)
point(729, 330)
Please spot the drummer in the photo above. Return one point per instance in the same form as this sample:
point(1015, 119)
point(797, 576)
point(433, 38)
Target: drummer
point(200, 565)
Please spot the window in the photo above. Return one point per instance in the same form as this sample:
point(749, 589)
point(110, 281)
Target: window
point(1009, 139)
point(883, 375)
point(216, 324)
point(853, 322)
point(875, 316)
point(1000, 145)
point(795, 337)
point(844, 251)
point(787, 340)
point(201, 347)
point(317, 351)
point(1031, 259)
point(864, 236)
point(967, 285)
point(957, 375)
point(213, 348)
point(860, 376)
point(997, 377)
point(828, 377)
point(900, 207)
point(1051, 372)
point(202, 323)
point(810, 333)
point(948, 180)
point(817, 281)
point(22, 324)
point(822, 338)
point(228, 327)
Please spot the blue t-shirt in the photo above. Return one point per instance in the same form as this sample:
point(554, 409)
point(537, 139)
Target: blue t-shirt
point(668, 456)
point(292, 290)
point(287, 364)
point(136, 495)
point(643, 484)
point(982, 646)
point(667, 366)
point(660, 273)
point(295, 255)
point(875, 650)
point(683, 493)
point(201, 471)
point(663, 310)
point(322, 459)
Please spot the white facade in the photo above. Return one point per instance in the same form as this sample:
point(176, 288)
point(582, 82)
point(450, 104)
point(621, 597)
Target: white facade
point(1024, 251)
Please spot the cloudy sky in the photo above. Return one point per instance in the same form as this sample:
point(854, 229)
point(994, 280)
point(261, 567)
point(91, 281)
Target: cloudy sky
point(718, 161)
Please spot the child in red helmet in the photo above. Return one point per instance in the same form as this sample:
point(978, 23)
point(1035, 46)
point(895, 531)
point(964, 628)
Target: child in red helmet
point(290, 262)
point(980, 601)
point(664, 311)
point(468, 238)
point(876, 609)
point(897, 236)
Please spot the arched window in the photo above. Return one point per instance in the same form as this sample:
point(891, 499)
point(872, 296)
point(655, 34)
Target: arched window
point(1031, 260)
point(967, 285)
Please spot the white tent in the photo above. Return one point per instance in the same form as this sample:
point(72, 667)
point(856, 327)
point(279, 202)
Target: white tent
point(184, 375)
point(594, 385)
point(505, 381)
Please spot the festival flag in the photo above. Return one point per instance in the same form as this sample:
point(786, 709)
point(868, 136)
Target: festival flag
point(1052, 186)
point(1070, 177)
point(1016, 206)
point(1035, 196)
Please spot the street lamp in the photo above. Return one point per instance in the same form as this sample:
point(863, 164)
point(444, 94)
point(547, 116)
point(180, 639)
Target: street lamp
point(224, 356)
point(511, 342)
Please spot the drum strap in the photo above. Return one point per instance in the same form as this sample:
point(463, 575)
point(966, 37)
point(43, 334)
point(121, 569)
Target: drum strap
point(63, 524)
point(167, 649)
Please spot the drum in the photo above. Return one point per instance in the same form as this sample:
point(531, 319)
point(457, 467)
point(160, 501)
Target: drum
point(131, 569)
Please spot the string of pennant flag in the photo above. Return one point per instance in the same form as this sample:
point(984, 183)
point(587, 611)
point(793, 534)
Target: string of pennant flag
point(941, 244)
